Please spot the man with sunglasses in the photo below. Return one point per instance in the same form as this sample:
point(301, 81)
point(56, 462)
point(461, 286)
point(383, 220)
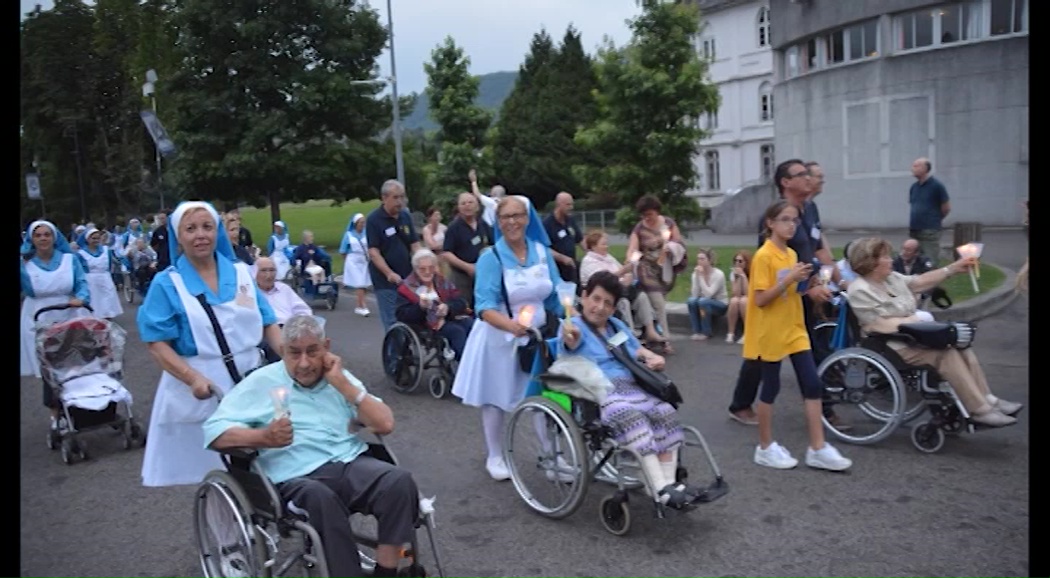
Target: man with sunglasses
point(795, 185)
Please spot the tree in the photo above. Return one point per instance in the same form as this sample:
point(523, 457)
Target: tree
point(451, 92)
point(650, 92)
point(268, 102)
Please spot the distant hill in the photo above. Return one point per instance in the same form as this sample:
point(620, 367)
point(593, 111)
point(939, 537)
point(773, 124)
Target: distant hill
point(493, 89)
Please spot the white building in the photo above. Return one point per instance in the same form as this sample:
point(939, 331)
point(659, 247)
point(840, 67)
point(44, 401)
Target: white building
point(735, 38)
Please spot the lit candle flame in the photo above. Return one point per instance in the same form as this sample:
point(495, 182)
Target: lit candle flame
point(280, 402)
point(636, 256)
point(525, 315)
point(666, 234)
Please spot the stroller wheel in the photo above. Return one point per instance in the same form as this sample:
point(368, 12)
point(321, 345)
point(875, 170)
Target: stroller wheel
point(67, 451)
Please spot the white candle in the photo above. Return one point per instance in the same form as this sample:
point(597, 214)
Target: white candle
point(280, 402)
point(973, 280)
point(525, 315)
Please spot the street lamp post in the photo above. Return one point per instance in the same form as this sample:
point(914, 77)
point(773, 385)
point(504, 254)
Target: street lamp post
point(399, 158)
point(149, 89)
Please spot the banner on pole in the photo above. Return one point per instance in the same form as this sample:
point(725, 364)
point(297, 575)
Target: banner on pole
point(33, 186)
point(160, 136)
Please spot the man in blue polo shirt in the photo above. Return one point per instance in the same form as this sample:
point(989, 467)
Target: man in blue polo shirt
point(929, 207)
point(467, 235)
point(392, 240)
point(793, 182)
point(565, 235)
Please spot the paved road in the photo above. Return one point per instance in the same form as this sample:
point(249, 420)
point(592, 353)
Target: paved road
point(961, 512)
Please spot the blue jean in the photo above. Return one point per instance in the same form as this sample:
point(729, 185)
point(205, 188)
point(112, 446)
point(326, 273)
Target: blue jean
point(387, 301)
point(702, 324)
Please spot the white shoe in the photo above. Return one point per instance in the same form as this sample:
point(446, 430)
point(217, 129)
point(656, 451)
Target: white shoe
point(827, 458)
point(775, 456)
point(1009, 408)
point(729, 338)
point(497, 469)
point(362, 311)
point(993, 418)
point(561, 472)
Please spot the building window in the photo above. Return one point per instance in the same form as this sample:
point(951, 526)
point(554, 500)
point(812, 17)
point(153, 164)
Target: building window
point(768, 162)
point(763, 27)
point(969, 20)
point(710, 120)
point(1008, 16)
point(791, 64)
point(707, 48)
point(855, 42)
point(765, 102)
point(711, 162)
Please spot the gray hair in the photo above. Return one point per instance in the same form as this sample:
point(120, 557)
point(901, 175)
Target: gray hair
point(497, 192)
point(422, 255)
point(389, 186)
point(300, 326)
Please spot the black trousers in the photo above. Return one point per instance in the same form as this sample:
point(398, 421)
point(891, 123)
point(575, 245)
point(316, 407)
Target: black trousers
point(750, 378)
point(328, 495)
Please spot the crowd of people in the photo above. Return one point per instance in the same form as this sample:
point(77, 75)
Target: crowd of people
point(217, 319)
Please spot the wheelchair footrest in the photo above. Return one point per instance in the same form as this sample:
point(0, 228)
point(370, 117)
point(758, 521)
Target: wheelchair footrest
point(718, 489)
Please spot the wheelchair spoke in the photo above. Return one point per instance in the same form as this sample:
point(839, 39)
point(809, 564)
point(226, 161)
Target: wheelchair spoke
point(867, 393)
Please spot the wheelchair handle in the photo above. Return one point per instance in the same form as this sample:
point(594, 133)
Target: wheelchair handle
point(60, 308)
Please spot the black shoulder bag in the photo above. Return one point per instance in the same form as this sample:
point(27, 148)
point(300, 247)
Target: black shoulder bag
point(224, 347)
point(656, 383)
point(527, 353)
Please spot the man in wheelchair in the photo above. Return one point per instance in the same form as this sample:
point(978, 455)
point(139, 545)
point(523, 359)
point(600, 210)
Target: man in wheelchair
point(639, 420)
point(308, 255)
point(298, 415)
point(143, 261)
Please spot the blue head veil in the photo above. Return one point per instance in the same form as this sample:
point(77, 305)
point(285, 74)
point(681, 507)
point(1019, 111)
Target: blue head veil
point(534, 231)
point(222, 242)
point(61, 244)
point(284, 230)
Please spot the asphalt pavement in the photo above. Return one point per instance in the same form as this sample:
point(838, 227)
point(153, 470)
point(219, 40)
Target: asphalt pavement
point(961, 512)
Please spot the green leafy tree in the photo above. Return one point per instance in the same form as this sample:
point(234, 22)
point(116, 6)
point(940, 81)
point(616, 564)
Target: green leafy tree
point(649, 94)
point(451, 93)
point(268, 100)
point(57, 93)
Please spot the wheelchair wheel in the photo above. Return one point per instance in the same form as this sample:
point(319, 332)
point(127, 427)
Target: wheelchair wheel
point(403, 357)
point(927, 437)
point(229, 545)
point(867, 392)
point(438, 386)
point(547, 458)
point(614, 514)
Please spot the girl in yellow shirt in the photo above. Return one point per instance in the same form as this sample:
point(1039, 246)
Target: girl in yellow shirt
point(775, 327)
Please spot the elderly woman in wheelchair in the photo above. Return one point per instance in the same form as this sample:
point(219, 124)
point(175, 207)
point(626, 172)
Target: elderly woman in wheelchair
point(625, 425)
point(285, 432)
point(882, 305)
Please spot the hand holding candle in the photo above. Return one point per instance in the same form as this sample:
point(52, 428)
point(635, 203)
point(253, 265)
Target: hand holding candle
point(972, 250)
point(525, 315)
point(825, 274)
point(567, 296)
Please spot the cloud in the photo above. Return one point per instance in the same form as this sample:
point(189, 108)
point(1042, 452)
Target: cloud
point(494, 34)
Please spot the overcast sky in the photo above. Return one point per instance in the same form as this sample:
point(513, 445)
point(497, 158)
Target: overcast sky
point(495, 34)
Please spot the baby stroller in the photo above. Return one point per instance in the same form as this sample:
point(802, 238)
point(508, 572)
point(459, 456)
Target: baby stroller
point(81, 360)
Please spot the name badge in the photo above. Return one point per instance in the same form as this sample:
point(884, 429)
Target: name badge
point(475, 241)
point(815, 233)
point(390, 231)
point(561, 234)
point(243, 298)
point(619, 339)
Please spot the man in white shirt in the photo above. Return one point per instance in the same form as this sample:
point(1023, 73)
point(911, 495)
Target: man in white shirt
point(284, 301)
point(488, 204)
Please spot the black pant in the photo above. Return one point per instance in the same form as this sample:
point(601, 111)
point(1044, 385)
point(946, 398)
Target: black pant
point(750, 377)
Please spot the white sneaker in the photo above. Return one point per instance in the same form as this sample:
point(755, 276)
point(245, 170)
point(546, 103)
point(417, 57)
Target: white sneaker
point(362, 311)
point(729, 338)
point(497, 469)
point(561, 472)
point(827, 458)
point(993, 418)
point(775, 456)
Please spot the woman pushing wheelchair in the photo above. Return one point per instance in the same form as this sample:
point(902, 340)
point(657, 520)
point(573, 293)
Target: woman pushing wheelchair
point(639, 420)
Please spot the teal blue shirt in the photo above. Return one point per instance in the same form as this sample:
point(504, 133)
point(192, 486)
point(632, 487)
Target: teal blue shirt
point(320, 416)
point(592, 347)
point(80, 287)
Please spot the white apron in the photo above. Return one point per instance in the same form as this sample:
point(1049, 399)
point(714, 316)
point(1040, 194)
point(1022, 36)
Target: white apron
point(175, 454)
point(278, 256)
point(355, 265)
point(50, 288)
point(489, 373)
point(104, 298)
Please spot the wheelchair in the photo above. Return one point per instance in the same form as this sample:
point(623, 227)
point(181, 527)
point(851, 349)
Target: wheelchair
point(327, 291)
point(243, 529)
point(866, 374)
point(409, 351)
point(556, 446)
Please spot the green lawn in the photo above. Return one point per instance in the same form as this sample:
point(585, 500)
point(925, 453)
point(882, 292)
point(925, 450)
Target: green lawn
point(328, 222)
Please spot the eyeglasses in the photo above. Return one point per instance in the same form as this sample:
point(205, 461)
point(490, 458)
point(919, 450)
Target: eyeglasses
point(796, 175)
point(267, 270)
point(793, 220)
point(738, 260)
point(514, 217)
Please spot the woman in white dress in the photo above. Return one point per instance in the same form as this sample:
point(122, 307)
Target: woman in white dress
point(278, 248)
point(175, 326)
point(99, 263)
point(489, 375)
point(51, 274)
point(354, 249)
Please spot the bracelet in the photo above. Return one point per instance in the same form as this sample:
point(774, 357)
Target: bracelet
point(360, 397)
point(947, 272)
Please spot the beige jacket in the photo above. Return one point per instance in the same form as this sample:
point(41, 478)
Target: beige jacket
point(881, 311)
